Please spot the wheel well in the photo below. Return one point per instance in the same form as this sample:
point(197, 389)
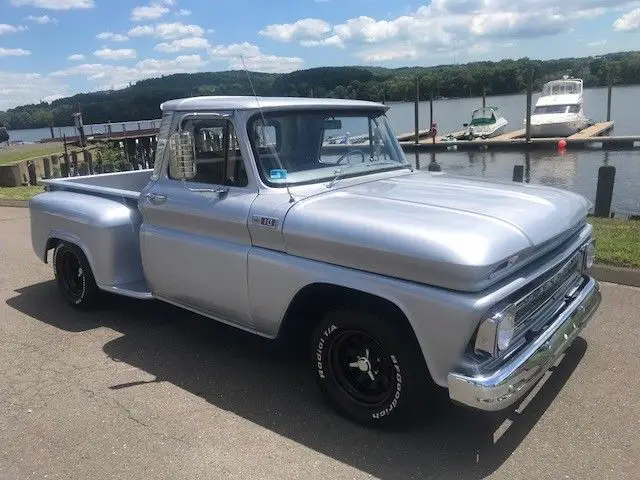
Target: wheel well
point(313, 301)
point(51, 243)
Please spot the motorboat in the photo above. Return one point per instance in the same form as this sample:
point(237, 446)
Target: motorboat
point(559, 112)
point(485, 123)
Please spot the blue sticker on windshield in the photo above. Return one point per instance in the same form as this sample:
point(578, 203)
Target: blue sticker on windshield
point(278, 174)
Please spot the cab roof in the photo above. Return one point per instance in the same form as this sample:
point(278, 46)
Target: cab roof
point(266, 103)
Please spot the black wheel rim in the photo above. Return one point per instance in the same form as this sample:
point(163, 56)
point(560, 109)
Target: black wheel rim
point(72, 274)
point(362, 368)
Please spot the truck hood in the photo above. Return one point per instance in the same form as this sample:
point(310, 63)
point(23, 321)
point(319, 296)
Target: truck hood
point(432, 229)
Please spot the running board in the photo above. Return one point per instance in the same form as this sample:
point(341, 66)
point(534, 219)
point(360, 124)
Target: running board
point(138, 290)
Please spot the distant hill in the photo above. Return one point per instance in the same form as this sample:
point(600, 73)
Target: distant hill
point(141, 100)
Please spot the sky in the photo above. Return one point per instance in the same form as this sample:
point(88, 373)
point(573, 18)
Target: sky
point(55, 48)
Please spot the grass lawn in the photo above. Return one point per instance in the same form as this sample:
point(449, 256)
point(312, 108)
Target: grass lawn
point(15, 153)
point(617, 242)
point(19, 193)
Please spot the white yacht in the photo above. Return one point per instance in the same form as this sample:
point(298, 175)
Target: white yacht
point(559, 112)
point(485, 123)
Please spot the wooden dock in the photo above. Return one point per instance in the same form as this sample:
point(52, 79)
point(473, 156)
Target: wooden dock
point(586, 138)
point(511, 135)
point(595, 130)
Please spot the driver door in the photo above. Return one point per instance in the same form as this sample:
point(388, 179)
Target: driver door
point(194, 239)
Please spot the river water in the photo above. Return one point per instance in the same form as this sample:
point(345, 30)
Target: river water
point(575, 171)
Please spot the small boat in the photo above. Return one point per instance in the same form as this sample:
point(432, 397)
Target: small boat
point(485, 123)
point(559, 112)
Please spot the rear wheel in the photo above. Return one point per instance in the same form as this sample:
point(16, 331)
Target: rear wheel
point(74, 276)
point(369, 368)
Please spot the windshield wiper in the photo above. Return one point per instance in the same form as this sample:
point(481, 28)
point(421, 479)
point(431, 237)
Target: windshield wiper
point(339, 172)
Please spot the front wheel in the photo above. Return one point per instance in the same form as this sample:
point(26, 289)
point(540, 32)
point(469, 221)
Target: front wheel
point(74, 276)
point(369, 368)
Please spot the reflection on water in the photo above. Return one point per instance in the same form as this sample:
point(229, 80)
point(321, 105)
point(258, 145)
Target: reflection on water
point(575, 171)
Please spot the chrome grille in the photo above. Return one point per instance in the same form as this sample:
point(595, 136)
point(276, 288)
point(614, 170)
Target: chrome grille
point(548, 291)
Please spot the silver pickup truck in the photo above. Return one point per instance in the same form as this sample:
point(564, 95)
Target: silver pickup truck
point(301, 218)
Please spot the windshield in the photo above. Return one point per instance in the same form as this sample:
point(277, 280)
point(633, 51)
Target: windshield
point(313, 146)
point(561, 88)
point(557, 109)
point(483, 116)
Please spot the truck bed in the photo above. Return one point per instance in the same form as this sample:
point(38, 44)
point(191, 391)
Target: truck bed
point(120, 184)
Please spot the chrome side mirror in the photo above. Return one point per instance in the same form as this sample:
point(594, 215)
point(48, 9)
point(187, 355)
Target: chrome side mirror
point(182, 157)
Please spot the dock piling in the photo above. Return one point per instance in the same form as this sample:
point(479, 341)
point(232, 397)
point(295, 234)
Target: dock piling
point(604, 191)
point(529, 99)
point(416, 112)
point(609, 93)
point(518, 173)
point(433, 136)
point(484, 96)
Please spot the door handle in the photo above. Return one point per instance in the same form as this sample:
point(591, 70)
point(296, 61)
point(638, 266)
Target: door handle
point(156, 199)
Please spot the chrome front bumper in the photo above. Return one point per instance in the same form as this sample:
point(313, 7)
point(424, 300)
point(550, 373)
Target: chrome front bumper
point(504, 386)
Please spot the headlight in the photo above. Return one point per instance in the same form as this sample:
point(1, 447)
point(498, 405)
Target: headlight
point(589, 255)
point(496, 331)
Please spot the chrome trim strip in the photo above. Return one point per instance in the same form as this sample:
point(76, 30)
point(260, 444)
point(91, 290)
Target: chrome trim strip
point(498, 389)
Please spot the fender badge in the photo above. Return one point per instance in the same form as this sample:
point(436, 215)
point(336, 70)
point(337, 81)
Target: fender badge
point(268, 222)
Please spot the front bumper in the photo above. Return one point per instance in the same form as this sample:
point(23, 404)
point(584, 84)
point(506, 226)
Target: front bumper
point(501, 387)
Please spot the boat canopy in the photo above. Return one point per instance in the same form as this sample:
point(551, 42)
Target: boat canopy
point(483, 116)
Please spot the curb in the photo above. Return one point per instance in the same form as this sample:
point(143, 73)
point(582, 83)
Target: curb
point(619, 275)
point(14, 203)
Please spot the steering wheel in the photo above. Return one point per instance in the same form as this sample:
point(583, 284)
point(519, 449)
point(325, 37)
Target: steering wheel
point(357, 152)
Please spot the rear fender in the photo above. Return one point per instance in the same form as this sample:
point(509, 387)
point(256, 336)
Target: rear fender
point(107, 231)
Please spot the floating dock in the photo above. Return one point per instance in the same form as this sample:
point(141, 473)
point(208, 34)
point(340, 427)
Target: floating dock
point(593, 136)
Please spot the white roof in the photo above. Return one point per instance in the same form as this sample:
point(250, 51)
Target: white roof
point(266, 103)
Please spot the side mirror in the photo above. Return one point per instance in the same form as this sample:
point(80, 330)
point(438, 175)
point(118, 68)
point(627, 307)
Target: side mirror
point(182, 163)
point(465, 124)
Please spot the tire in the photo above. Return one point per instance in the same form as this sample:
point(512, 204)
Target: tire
point(74, 277)
point(369, 368)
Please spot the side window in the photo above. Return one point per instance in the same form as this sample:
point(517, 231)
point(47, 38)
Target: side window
point(217, 152)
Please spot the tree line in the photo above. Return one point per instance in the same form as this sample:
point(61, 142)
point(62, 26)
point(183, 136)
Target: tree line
point(141, 100)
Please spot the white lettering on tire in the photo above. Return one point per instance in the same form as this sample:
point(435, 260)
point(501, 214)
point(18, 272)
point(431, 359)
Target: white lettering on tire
point(320, 347)
point(396, 397)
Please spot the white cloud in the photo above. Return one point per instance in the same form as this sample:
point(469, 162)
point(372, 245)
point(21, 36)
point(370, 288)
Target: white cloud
point(183, 12)
point(305, 29)
point(43, 19)
point(167, 31)
point(5, 28)
point(597, 43)
point(51, 98)
point(148, 12)
point(442, 25)
point(627, 22)
point(76, 57)
point(333, 40)
point(190, 43)
point(254, 59)
point(181, 63)
point(14, 52)
point(114, 37)
point(24, 88)
point(55, 4)
point(117, 54)
point(393, 52)
point(118, 76)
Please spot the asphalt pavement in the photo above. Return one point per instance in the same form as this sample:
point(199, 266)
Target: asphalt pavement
point(143, 390)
